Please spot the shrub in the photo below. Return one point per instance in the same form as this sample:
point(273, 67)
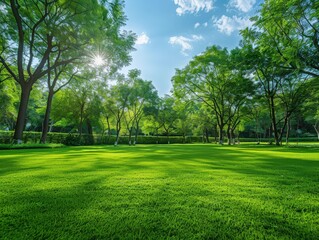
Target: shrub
point(97, 139)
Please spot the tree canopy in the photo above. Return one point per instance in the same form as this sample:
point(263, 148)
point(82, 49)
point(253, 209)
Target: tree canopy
point(61, 70)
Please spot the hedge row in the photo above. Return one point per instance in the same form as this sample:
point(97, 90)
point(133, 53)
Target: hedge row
point(74, 139)
point(293, 139)
point(6, 137)
point(29, 146)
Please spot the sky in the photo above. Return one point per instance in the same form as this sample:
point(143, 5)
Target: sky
point(171, 32)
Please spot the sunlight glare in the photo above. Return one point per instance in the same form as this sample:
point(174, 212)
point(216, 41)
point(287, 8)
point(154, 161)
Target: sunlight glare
point(98, 60)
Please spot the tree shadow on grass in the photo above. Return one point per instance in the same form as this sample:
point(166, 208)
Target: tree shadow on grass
point(163, 192)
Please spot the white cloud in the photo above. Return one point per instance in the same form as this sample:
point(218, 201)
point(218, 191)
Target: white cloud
point(197, 37)
point(142, 39)
point(228, 25)
point(243, 5)
point(197, 25)
point(184, 42)
point(193, 6)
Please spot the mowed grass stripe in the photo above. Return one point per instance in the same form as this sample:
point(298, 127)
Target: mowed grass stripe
point(160, 192)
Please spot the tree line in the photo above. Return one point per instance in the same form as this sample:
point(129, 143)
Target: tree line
point(268, 84)
point(273, 74)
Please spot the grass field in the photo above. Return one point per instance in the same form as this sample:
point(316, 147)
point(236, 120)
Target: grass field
point(160, 192)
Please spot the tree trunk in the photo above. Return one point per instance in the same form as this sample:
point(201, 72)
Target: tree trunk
point(136, 132)
point(90, 131)
point(117, 138)
point(89, 126)
point(229, 135)
point(273, 120)
point(118, 129)
point(108, 126)
point(51, 126)
point(265, 134)
point(81, 120)
point(215, 132)
point(130, 136)
point(157, 136)
point(288, 131)
point(269, 134)
point(316, 127)
point(207, 135)
point(232, 132)
point(257, 134)
point(283, 128)
point(22, 114)
point(45, 125)
point(220, 136)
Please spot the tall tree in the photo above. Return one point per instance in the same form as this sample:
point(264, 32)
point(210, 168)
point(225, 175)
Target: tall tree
point(212, 78)
point(117, 102)
point(184, 111)
point(54, 84)
point(40, 29)
point(283, 88)
point(167, 115)
point(311, 108)
point(143, 95)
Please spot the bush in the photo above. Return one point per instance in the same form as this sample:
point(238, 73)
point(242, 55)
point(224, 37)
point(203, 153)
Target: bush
point(266, 140)
point(6, 137)
point(77, 140)
point(97, 139)
point(29, 146)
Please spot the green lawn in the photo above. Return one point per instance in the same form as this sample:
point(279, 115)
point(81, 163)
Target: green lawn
point(160, 192)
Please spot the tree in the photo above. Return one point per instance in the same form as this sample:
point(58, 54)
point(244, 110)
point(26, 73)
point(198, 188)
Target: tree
point(117, 102)
point(167, 116)
point(290, 27)
point(213, 79)
point(52, 30)
point(203, 122)
point(280, 86)
point(54, 85)
point(310, 107)
point(143, 95)
point(151, 123)
point(184, 111)
point(133, 108)
point(78, 106)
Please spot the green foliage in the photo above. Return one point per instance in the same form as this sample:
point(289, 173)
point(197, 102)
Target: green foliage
point(97, 139)
point(9, 97)
point(41, 37)
point(77, 140)
point(289, 29)
point(220, 90)
point(213, 79)
point(271, 57)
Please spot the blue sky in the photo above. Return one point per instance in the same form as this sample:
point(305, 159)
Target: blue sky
point(171, 32)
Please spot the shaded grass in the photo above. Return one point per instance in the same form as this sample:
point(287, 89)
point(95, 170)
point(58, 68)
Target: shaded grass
point(160, 192)
point(30, 146)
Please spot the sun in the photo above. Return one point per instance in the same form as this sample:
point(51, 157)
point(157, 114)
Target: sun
point(98, 60)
